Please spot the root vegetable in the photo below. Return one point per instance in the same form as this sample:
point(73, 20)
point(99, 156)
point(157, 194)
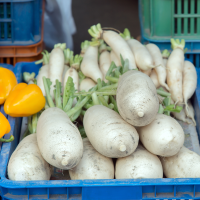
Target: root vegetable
point(164, 136)
point(175, 65)
point(87, 84)
point(137, 99)
point(43, 72)
point(116, 42)
point(189, 82)
point(154, 78)
point(158, 62)
point(108, 133)
point(93, 165)
point(58, 139)
point(26, 163)
point(115, 59)
point(139, 165)
point(185, 164)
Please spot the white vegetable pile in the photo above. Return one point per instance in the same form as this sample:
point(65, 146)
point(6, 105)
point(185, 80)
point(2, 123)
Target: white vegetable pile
point(123, 95)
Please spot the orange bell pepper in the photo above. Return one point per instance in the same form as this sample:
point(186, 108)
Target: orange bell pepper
point(4, 129)
point(24, 100)
point(7, 82)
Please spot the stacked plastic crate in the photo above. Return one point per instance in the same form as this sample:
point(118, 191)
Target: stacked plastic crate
point(161, 20)
point(21, 30)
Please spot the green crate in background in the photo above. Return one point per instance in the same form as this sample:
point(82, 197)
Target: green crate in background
point(164, 19)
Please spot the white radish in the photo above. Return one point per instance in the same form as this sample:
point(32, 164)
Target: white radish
point(163, 136)
point(143, 58)
point(43, 72)
point(26, 162)
point(116, 42)
point(189, 82)
point(89, 65)
point(191, 112)
point(159, 64)
point(93, 165)
point(104, 63)
point(147, 72)
point(139, 165)
point(154, 78)
point(59, 140)
point(185, 164)
point(137, 99)
point(108, 133)
point(56, 66)
point(74, 74)
point(86, 84)
point(175, 65)
point(181, 115)
point(114, 58)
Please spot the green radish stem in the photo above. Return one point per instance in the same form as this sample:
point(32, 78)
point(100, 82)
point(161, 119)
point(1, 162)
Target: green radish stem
point(81, 76)
point(96, 31)
point(114, 103)
point(45, 59)
point(60, 45)
point(34, 123)
point(177, 43)
point(75, 62)
point(7, 140)
point(26, 133)
point(84, 46)
point(47, 84)
point(28, 76)
point(68, 56)
point(58, 95)
point(165, 53)
point(126, 34)
point(161, 109)
point(30, 124)
point(69, 104)
point(95, 98)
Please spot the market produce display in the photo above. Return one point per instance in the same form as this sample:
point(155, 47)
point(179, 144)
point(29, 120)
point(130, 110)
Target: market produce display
point(115, 101)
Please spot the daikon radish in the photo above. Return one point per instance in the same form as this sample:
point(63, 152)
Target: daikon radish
point(116, 42)
point(185, 164)
point(139, 165)
point(160, 68)
point(93, 165)
point(143, 58)
point(115, 59)
point(108, 133)
point(154, 78)
point(164, 136)
point(87, 84)
point(191, 112)
point(189, 82)
point(175, 65)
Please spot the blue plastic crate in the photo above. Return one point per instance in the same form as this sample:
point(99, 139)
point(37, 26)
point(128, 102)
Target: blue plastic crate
point(113, 189)
point(20, 22)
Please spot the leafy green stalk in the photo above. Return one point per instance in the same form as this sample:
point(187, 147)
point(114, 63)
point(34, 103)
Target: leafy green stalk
point(58, 95)
point(34, 123)
point(47, 84)
point(81, 76)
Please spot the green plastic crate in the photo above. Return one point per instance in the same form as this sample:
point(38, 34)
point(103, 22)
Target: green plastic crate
point(164, 19)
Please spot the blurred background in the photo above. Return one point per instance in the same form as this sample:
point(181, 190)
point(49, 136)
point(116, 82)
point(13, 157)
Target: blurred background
point(113, 13)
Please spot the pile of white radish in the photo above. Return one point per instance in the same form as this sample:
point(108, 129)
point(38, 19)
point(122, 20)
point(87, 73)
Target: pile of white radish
point(116, 100)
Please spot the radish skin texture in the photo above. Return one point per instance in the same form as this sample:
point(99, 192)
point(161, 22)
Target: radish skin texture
point(87, 84)
point(189, 82)
point(159, 64)
point(119, 46)
point(175, 65)
point(43, 72)
point(104, 62)
point(139, 165)
point(89, 65)
point(154, 78)
point(143, 58)
point(114, 58)
point(56, 66)
point(147, 72)
point(26, 163)
point(59, 139)
point(181, 115)
point(108, 133)
point(165, 61)
point(93, 165)
point(163, 137)
point(74, 74)
point(185, 164)
point(191, 112)
point(137, 98)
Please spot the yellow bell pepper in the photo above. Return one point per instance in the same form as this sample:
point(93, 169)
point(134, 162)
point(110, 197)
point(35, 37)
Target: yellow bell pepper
point(4, 129)
point(7, 82)
point(24, 100)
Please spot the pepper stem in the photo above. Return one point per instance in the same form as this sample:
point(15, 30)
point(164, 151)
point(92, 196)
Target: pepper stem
point(7, 140)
